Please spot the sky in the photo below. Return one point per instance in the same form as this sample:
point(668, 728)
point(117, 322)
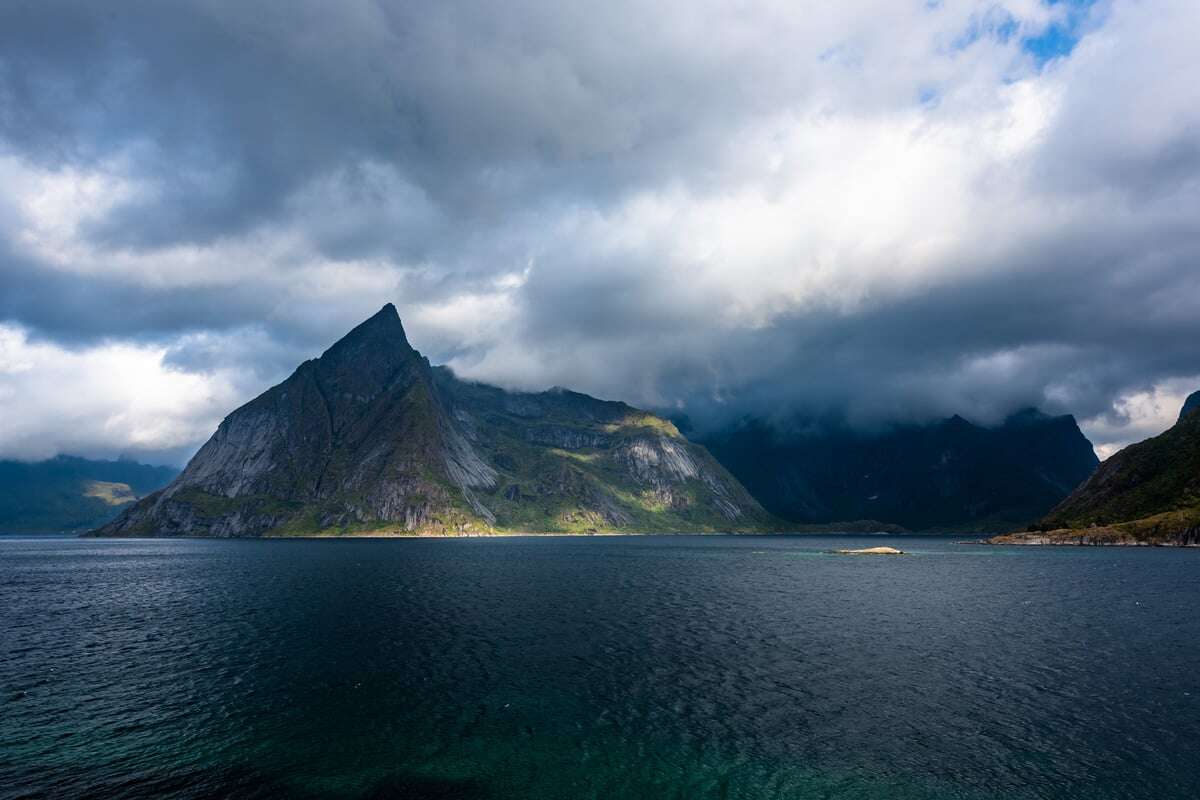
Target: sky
point(885, 210)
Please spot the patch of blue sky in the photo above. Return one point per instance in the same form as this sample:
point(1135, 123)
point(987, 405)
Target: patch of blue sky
point(1054, 41)
point(1059, 38)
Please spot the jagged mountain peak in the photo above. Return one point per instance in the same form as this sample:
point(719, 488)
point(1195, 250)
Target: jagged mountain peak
point(958, 423)
point(381, 333)
point(373, 358)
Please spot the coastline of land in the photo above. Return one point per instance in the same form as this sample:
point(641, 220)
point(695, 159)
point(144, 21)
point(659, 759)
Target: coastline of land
point(804, 532)
point(1172, 529)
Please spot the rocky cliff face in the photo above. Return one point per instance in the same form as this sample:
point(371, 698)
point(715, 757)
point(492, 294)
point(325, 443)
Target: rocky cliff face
point(950, 475)
point(370, 438)
point(586, 463)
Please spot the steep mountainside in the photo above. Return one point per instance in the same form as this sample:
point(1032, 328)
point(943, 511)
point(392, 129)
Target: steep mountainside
point(951, 475)
point(370, 438)
point(1148, 493)
point(1190, 405)
point(71, 494)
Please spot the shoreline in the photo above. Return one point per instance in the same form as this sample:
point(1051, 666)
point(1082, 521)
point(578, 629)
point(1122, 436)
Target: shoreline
point(1087, 543)
point(515, 534)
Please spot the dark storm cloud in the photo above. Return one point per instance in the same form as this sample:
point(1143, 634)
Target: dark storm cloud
point(1066, 339)
point(231, 107)
point(77, 310)
point(226, 112)
point(226, 124)
point(677, 204)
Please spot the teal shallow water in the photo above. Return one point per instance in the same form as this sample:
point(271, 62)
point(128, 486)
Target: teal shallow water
point(687, 667)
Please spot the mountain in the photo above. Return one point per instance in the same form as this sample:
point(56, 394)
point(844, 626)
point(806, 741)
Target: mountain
point(370, 438)
point(71, 494)
point(1148, 493)
point(949, 475)
point(1190, 405)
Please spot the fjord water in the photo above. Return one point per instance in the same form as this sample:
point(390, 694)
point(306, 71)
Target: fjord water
point(686, 667)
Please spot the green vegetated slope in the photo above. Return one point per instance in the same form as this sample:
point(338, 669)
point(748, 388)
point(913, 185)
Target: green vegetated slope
point(71, 494)
point(369, 438)
point(566, 461)
point(1148, 493)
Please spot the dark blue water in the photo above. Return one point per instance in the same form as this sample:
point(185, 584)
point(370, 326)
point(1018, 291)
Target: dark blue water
point(657, 667)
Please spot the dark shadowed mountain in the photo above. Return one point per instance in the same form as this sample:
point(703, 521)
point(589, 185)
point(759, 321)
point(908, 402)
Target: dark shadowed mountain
point(71, 494)
point(1148, 493)
point(1190, 405)
point(369, 438)
point(951, 475)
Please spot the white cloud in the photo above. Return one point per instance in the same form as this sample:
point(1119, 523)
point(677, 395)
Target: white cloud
point(1139, 415)
point(103, 400)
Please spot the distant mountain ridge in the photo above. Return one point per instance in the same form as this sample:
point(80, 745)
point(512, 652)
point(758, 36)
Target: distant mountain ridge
point(68, 493)
point(370, 438)
point(1147, 493)
point(951, 475)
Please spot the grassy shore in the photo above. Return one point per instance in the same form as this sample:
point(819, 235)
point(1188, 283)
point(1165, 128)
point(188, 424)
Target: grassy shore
point(1172, 529)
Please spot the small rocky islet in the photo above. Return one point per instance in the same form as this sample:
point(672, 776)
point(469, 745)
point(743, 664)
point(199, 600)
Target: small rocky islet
point(872, 551)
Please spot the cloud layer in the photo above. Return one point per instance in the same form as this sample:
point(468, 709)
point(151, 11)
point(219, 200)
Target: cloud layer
point(887, 210)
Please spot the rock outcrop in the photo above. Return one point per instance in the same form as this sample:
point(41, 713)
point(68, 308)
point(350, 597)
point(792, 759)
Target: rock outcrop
point(370, 438)
point(872, 551)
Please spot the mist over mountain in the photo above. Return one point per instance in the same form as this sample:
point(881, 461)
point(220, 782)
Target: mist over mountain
point(947, 475)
